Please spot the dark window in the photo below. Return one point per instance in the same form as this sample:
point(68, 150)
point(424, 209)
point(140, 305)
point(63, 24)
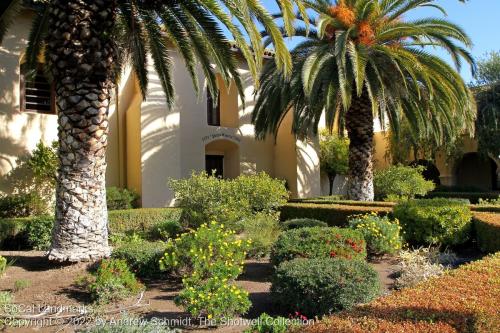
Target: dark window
point(215, 162)
point(37, 94)
point(213, 111)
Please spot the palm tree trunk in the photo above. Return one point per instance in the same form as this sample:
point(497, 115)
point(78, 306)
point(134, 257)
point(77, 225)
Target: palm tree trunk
point(359, 124)
point(80, 56)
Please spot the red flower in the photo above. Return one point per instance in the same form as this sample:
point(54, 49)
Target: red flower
point(333, 254)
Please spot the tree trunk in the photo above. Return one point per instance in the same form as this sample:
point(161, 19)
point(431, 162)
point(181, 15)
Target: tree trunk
point(359, 124)
point(81, 54)
point(331, 179)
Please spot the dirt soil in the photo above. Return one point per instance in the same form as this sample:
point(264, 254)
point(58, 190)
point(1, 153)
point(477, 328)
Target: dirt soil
point(52, 288)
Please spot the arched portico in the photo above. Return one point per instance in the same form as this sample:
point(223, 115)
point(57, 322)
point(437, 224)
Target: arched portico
point(223, 156)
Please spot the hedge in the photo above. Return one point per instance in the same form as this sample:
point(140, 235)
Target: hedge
point(334, 215)
point(473, 197)
point(449, 303)
point(487, 229)
point(13, 230)
point(326, 201)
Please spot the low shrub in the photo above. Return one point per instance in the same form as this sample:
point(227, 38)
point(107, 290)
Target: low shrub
point(382, 235)
point(3, 265)
point(333, 215)
point(463, 300)
point(317, 242)
point(208, 198)
point(39, 232)
point(141, 221)
point(489, 202)
point(165, 230)
point(209, 259)
point(473, 197)
point(121, 198)
point(487, 231)
point(22, 205)
point(417, 266)
point(303, 223)
point(143, 257)
point(400, 183)
point(320, 286)
point(12, 233)
point(434, 221)
point(113, 281)
point(345, 202)
point(262, 230)
point(267, 324)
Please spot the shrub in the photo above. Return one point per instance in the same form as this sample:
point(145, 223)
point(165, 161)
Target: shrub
point(3, 265)
point(141, 221)
point(12, 233)
point(39, 232)
point(489, 202)
point(320, 286)
point(464, 300)
point(22, 205)
point(210, 259)
point(473, 197)
point(113, 281)
point(263, 230)
point(21, 284)
point(205, 198)
point(318, 242)
point(381, 233)
point(401, 183)
point(333, 215)
point(267, 324)
point(303, 223)
point(165, 230)
point(487, 230)
point(434, 221)
point(121, 198)
point(142, 257)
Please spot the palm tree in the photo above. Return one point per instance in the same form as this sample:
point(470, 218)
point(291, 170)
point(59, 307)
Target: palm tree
point(87, 42)
point(362, 59)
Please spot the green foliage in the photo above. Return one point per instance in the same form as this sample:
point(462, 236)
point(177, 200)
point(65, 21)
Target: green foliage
point(129, 324)
point(3, 265)
point(33, 182)
point(210, 259)
point(434, 221)
point(320, 286)
point(267, 324)
point(5, 298)
point(12, 232)
point(334, 153)
point(488, 68)
point(21, 284)
point(207, 198)
point(262, 230)
point(143, 221)
point(332, 214)
point(401, 183)
point(39, 232)
point(489, 202)
point(317, 242)
point(121, 198)
point(381, 233)
point(473, 197)
point(113, 281)
point(487, 231)
point(303, 223)
point(165, 230)
point(22, 205)
point(142, 256)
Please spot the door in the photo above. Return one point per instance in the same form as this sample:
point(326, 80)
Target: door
point(215, 162)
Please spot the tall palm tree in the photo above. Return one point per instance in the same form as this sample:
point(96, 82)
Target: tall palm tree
point(86, 43)
point(361, 60)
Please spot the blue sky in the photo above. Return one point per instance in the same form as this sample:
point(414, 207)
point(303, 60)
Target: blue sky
point(479, 18)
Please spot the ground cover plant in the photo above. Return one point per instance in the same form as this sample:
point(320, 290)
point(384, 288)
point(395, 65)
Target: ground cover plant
point(303, 223)
point(320, 286)
point(318, 242)
point(382, 235)
point(209, 259)
point(462, 300)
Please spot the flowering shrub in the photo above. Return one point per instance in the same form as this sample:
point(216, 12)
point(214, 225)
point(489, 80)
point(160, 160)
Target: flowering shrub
point(318, 242)
point(113, 281)
point(434, 221)
point(320, 286)
point(381, 233)
point(210, 259)
point(208, 198)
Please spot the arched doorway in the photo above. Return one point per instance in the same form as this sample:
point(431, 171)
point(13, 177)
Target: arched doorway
point(475, 171)
point(431, 172)
point(223, 156)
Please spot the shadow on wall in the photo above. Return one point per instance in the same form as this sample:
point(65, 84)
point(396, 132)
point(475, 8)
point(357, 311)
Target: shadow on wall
point(476, 171)
point(308, 177)
point(339, 185)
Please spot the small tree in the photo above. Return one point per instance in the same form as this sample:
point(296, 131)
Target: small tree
point(334, 156)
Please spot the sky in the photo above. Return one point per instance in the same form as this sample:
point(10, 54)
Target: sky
point(479, 18)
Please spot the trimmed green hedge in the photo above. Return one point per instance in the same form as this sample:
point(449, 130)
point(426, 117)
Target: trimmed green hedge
point(334, 215)
point(487, 229)
point(473, 197)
